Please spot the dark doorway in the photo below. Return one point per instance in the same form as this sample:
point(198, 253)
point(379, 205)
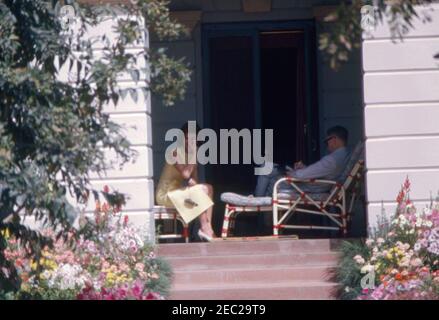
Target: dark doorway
point(282, 92)
point(257, 76)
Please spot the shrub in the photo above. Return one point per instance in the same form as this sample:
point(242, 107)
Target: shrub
point(115, 263)
point(402, 255)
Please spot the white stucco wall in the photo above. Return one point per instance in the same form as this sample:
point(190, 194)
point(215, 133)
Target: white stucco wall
point(401, 97)
point(135, 177)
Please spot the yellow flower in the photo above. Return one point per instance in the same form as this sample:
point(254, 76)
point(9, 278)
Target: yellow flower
point(5, 233)
point(25, 287)
point(33, 265)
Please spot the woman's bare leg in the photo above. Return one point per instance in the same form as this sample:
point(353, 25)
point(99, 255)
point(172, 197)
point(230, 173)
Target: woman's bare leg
point(206, 216)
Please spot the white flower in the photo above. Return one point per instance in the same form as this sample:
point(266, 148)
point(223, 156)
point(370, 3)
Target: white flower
point(369, 242)
point(402, 220)
point(405, 262)
point(416, 262)
point(427, 211)
point(359, 259)
point(367, 268)
point(67, 276)
point(380, 241)
point(428, 224)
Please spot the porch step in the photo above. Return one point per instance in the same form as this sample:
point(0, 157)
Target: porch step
point(254, 260)
point(244, 247)
point(273, 274)
point(270, 269)
point(287, 290)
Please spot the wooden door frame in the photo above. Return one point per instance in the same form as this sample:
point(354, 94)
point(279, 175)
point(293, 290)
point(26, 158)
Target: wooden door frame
point(252, 29)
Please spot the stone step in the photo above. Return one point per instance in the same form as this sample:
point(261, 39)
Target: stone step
point(245, 275)
point(287, 290)
point(243, 247)
point(251, 260)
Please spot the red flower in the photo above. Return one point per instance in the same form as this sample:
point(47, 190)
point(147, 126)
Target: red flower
point(106, 189)
point(407, 184)
point(125, 220)
point(400, 196)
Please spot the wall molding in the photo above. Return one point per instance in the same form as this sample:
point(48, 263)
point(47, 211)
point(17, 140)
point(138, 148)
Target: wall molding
point(187, 18)
point(320, 12)
point(252, 6)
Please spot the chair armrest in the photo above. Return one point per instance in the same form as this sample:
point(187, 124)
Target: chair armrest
point(293, 181)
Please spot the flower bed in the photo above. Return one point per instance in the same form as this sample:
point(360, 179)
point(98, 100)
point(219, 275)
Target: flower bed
point(115, 263)
point(400, 261)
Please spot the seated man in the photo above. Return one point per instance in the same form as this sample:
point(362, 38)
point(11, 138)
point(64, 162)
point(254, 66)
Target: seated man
point(327, 168)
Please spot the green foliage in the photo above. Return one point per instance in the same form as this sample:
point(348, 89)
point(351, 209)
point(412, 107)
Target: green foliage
point(343, 26)
point(347, 273)
point(162, 284)
point(53, 133)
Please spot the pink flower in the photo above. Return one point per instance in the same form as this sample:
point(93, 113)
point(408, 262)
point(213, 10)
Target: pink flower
point(139, 267)
point(137, 291)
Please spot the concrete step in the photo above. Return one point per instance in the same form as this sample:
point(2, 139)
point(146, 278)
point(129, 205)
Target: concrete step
point(243, 247)
point(246, 275)
point(287, 290)
point(251, 260)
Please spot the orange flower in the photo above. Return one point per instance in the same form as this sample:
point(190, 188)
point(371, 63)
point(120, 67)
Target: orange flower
point(398, 276)
point(24, 276)
point(18, 263)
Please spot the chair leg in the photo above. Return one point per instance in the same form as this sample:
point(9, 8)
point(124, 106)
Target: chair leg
point(275, 220)
point(186, 233)
point(226, 222)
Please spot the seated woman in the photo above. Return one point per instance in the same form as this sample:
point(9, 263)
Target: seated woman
point(177, 176)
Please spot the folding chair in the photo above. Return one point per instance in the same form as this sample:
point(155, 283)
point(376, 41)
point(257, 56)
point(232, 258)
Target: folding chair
point(164, 213)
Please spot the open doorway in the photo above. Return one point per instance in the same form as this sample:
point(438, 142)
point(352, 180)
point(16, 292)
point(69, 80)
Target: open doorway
point(259, 76)
point(282, 92)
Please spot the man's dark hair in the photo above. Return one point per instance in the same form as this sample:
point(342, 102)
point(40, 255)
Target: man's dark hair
point(338, 131)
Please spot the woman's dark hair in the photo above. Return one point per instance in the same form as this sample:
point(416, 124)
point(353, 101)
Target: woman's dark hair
point(185, 128)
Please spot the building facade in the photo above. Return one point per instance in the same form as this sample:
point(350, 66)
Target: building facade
point(386, 94)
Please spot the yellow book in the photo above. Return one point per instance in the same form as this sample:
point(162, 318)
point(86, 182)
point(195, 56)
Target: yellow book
point(190, 202)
